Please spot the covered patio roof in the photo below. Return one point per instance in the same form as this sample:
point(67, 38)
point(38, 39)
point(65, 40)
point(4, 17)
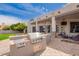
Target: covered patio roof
point(42, 21)
point(74, 14)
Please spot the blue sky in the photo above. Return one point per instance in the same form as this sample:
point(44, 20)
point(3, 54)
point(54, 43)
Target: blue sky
point(26, 11)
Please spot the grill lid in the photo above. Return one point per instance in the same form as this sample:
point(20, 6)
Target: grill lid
point(35, 36)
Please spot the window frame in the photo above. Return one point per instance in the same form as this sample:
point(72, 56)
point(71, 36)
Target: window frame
point(72, 27)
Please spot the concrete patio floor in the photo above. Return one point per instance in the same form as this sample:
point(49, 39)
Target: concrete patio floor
point(51, 52)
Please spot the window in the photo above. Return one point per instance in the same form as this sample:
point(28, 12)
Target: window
point(57, 28)
point(77, 6)
point(63, 23)
point(49, 28)
point(74, 27)
point(41, 28)
point(59, 12)
point(33, 29)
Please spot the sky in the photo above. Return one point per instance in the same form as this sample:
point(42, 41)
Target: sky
point(17, 12)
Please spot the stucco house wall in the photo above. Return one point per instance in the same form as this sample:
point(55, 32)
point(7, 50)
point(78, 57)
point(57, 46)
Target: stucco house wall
point(64, 12)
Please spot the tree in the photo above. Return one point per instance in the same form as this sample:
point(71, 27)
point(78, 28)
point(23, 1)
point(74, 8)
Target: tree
point(12, 27)
point(6, 28)
point(18, 27)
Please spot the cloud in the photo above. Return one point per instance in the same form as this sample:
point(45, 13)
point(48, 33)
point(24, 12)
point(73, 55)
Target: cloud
point(25, 10)
point(9, 20)
point(30, 7)
point(6, 9)
point(20, 10)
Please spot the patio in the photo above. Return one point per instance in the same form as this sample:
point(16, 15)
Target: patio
point(55, 48)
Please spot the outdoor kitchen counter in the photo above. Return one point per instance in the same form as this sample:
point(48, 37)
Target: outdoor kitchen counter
point(4, 47)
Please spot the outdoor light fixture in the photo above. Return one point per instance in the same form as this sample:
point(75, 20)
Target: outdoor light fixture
point(59, 12)
point(77, 6)
point(46, 16)
point(63, 19)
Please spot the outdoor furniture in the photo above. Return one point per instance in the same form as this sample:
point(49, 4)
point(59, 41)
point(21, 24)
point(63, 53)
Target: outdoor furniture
point(63, 35)
point(76, 38)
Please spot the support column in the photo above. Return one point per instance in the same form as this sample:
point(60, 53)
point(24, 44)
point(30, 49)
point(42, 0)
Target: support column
point(45, 27)
point(37, 26)
point(54, 26)
point(29, 28)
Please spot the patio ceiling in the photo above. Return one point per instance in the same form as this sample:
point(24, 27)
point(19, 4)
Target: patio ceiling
point(69, 15)
point(42, 21)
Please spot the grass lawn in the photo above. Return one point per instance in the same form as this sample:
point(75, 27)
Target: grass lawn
point(5, 36)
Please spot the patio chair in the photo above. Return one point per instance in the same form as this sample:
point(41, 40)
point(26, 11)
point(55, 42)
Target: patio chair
point(63, 35)
point(76, 38)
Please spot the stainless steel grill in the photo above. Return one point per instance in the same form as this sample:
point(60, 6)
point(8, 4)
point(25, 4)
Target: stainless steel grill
point(38, 41)
point(36, 37)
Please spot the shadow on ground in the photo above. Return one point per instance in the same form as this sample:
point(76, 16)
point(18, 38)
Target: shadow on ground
point(68, 48)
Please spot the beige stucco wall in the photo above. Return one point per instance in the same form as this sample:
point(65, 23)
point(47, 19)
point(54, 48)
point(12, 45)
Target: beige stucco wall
point(41, 23)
